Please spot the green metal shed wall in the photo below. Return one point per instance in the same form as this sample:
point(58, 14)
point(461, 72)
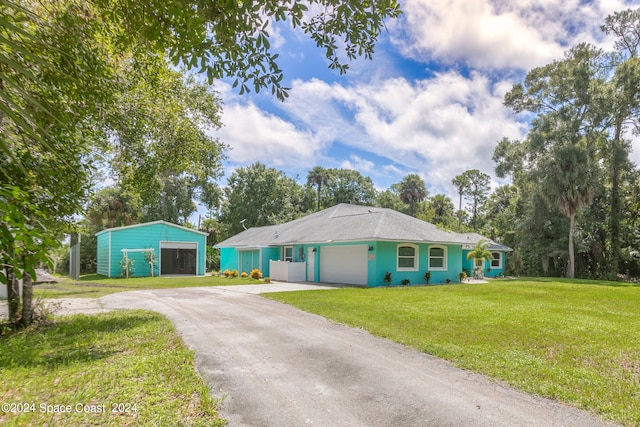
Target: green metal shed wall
point(103, 254)
point(144, 236)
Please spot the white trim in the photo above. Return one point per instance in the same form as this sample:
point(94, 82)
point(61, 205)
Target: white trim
point(144, 224)
point(284, 253)
point(416, 257)
point(444, 256)
point(171, 244)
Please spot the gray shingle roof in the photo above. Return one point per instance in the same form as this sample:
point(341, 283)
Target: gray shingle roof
point(348, 223)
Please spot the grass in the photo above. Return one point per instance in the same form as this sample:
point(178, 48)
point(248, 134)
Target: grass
point(131, 362)
point(95, 285)
point(573, 341)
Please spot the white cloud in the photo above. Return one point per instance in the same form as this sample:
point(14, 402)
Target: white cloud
point(438, 127)
point(499, 34)
point(256, 135)
point(359, 164)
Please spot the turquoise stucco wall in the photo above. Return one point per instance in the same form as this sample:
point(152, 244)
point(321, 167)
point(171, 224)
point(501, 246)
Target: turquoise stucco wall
point(489, 271)
point(228, 259)
point(143, 236)
point(386, 261)
point(381, 259)
point(245, 260)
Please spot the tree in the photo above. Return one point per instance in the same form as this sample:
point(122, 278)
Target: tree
point(160, 129)
point(567, 97)
point(319, 177)
point(48, 105)
point(500, 214)
point(258, 196)
point(569, 183)
point(474, 184)
point(412, 191)
point(624, 107)
point(439, 210)
point(230, 39)
point(389, 199)
point(61, 67)
point(348, 186)
point(113, 207)
point(461, 182)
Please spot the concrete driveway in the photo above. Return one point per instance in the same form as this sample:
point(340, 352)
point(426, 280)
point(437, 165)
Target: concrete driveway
point(278, 366)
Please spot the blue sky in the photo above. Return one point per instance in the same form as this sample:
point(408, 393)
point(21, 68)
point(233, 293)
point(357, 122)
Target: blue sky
point(430, 101)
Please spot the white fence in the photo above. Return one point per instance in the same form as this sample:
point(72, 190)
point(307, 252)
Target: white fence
point(285, 271)
point(3, 289)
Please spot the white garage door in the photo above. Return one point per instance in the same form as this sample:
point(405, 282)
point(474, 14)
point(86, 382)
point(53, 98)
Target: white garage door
point(344, 264)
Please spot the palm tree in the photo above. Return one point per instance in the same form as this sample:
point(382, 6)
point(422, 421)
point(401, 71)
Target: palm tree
point(479, 254)
point(462, 184)
point(442, 209)
point(569, 181)
point(412, 191)
point(318, 177)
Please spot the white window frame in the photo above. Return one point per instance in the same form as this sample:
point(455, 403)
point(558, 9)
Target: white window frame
point(444, 258)
point(284, 253)
point(499, 259)
point(416, 258)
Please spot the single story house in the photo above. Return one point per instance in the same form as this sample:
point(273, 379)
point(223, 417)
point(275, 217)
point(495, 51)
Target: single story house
point(357, 245)
point(178, 250)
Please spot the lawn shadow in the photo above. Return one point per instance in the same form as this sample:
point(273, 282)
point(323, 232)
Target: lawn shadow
point(564, 280)
point(71, 340)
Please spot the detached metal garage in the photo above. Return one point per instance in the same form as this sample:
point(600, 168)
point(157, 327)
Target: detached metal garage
point(344, 264)
point(178, 250)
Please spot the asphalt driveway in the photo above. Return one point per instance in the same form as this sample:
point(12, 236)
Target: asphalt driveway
point(278, 366)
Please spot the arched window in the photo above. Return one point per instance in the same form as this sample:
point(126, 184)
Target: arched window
point(437, 258)
point(407, 259)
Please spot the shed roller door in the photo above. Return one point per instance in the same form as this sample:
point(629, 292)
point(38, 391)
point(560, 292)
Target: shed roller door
point(344, 264)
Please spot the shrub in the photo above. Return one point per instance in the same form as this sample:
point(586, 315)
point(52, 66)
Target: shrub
point(448, 281)
point(127, 266)
point(234, 273)
point(405, 282)
point(462, 276)
point(227, 273)
point(387, 278)
point(427, 277)
point(244, 274)
point(267, 280)
point(256, 274)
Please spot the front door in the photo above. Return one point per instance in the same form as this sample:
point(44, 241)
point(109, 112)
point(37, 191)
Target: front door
point(311, 265)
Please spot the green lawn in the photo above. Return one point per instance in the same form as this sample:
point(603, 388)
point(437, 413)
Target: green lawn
point(112, 369)
point(94, 285)
point(574, 341)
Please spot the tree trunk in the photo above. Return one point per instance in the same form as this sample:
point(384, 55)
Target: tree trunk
point(13, 295)
point(614, 217)
point(572, 227)
point(27, 299)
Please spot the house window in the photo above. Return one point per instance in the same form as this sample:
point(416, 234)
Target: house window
point(407, 257)
point(287, 253)
point(479, 262)
point(438, 258)
point(496, 262)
